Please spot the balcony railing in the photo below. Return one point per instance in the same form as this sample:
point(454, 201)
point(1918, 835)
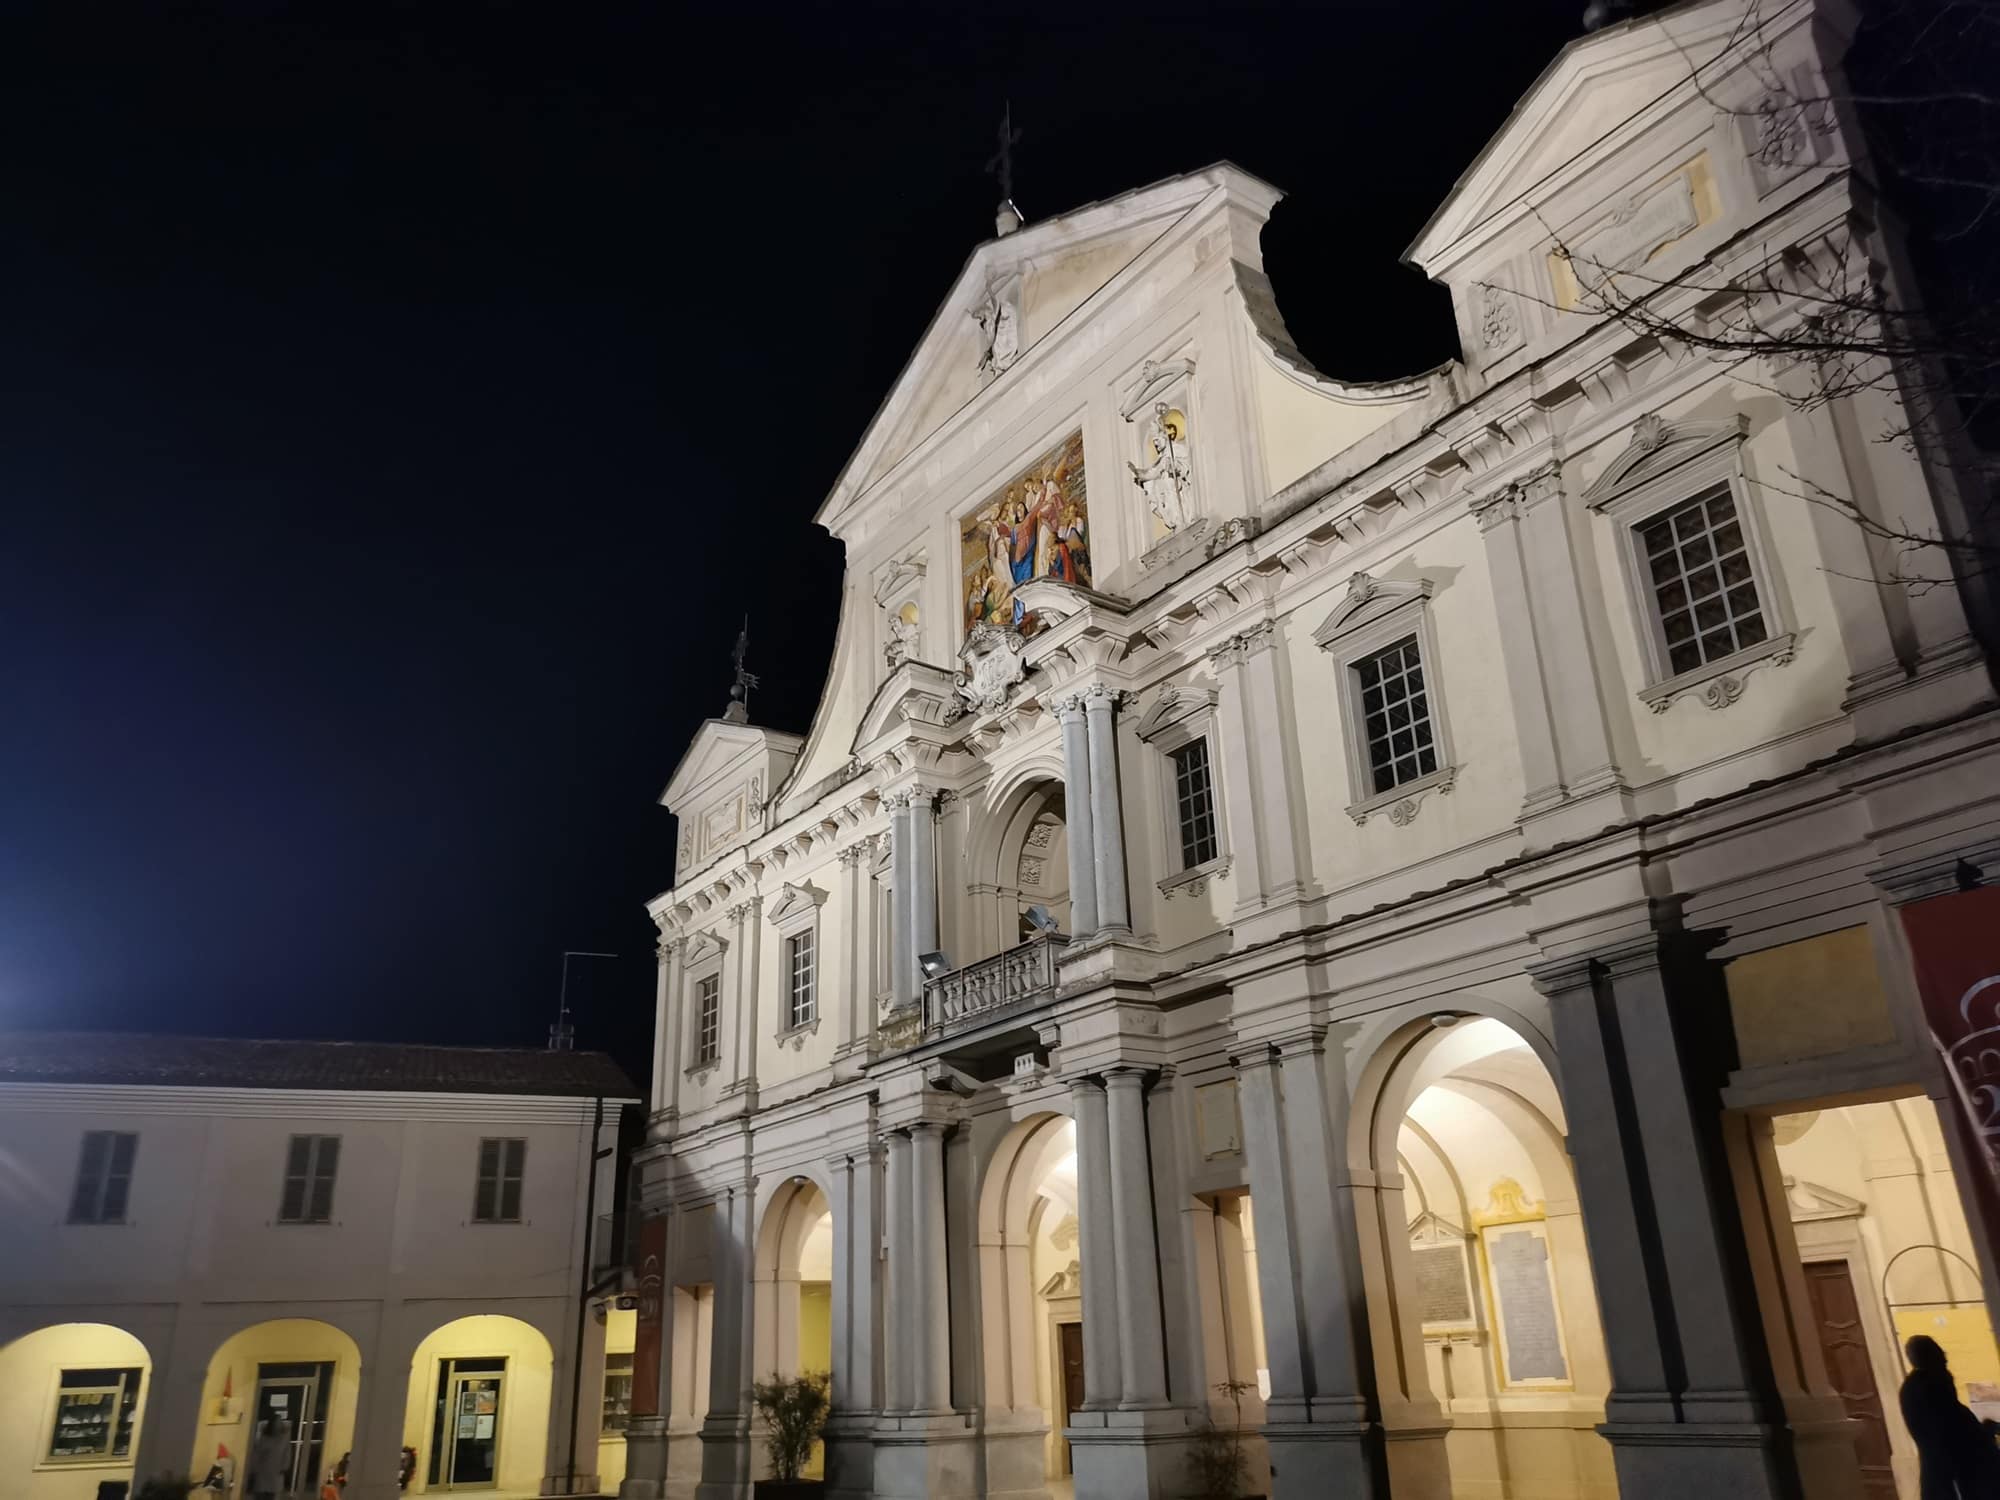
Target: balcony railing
point(979, 991)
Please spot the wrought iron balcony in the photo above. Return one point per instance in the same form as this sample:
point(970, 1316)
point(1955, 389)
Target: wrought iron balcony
point(980, 991)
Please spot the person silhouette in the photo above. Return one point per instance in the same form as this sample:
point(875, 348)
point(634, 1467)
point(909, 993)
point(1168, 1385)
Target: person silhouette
point(1955, 1452)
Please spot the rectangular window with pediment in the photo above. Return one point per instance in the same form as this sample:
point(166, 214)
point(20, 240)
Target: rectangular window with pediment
point(1194, 803)
point(802, 1005)
point(708, 1020)
point(1396, 715)
point(1704, 592)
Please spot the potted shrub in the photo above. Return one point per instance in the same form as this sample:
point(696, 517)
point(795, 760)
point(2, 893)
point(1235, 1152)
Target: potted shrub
point(794, 1410)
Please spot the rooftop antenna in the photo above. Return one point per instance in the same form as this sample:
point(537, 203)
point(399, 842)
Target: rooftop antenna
point(738, 711)
point(1007, 218)
point(562, 1035)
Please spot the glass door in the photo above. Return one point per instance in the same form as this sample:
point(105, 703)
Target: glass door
point(295, 1394)
point(465, 1451)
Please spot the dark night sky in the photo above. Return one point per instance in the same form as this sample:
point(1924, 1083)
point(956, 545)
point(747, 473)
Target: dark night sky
point(401, 405)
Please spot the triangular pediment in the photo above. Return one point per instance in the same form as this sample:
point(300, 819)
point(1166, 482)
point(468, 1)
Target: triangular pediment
point(716, 748)
point(1580, 107)
point(1047, 269)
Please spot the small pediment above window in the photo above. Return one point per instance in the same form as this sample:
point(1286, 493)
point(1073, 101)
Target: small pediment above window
point(1657, 446)
point(1368, 599)
point(1174, 705)
point(795, 902)
point(703, 947)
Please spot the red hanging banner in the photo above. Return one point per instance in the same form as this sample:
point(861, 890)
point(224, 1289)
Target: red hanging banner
point(1955, 942)
point(647, 1338)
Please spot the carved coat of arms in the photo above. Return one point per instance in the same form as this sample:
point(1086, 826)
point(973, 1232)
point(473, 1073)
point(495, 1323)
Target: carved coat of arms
point(989, 665)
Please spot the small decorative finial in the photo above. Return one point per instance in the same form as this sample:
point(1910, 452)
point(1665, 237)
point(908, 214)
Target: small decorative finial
point(1602, 13)
point(738, 711)
point(1007, 218)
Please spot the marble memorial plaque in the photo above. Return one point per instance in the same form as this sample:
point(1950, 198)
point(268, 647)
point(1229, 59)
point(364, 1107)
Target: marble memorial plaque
point(1442, 1292)
point(1526, 1294)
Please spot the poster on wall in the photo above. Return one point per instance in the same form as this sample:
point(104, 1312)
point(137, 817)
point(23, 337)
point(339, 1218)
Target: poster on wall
point(1524, 1305)
point(1036, 525)
point(1955, 942)
point(649, 1333)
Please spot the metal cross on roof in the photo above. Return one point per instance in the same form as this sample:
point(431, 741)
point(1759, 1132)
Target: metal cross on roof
point(1002, 161)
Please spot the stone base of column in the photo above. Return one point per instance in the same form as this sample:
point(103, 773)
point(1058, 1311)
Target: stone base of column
point(1418, 1466)
point(1739, 1461)
point(850, 1456)
point(923, 1456)
point(1312, 1459)
point(645, 1460)
point(1016, 1456)
point(564, 1484)
point(683, 1459)
point(1140, 1454)
point(725, 1459)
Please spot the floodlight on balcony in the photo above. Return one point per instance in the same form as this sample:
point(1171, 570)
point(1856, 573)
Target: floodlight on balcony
point(934, 965)
point(1038, 917)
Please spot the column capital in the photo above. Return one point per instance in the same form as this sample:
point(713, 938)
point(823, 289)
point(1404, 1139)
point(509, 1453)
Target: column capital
point(1497, 507)
point(1068, 708)
point(1553, 977)
point(1266, 1051)
point(1101, 697)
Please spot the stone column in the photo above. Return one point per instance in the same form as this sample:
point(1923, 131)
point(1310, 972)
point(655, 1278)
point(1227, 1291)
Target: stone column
point(725, 1431)
point(1107, 828)
point(1319, 1422)
point(898, 1287)
point(923, 877)
point(1262, 776)
point(1563, 636)
point(669, 1026)
point(1078, 816)
point(857, 1235)
point(932, 1335)
point(1142, 1354)
point(1607, 1183)
point(847, 1013)
point(748, 916)
point(1499, 518)
point(904, 983)
point(1689, 1407)
point(1103, 1382)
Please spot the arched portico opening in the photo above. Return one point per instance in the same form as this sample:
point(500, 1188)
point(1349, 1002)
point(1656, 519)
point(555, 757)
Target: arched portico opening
point(75, 1398)
point(793, 1307)
point(478, 1408)
point(1482, 1310)
point(1031, 1303)
point(301, 1372)
point(1019, 860)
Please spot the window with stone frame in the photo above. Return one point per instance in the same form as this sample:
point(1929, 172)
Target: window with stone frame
point(1194, 802)
point(1709, 605)
point(1392, 713)
point(1705, 598)
point(802, 977)
point(1400, 741)
point(707, 1019)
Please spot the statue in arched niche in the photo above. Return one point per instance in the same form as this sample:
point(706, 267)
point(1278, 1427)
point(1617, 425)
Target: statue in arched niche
point(1167, 481)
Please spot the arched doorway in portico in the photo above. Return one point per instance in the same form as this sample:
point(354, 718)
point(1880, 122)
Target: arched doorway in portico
point(477, 1413)
point(1031, 1304)
point(1482, 1310)
point(302, 1371)
point(76, 1395)
point(793, 1290)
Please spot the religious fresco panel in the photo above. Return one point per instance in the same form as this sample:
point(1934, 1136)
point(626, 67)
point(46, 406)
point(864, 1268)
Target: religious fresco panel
point(1037, 525)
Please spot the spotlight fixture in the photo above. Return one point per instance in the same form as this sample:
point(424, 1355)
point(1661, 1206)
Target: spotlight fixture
point(1038, 918)
point(1445, 1019)
point(934, 965)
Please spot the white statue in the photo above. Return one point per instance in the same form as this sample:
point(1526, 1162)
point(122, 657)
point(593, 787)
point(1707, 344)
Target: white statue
point(1000, 326)
point(1168, 481)
point(903, 632)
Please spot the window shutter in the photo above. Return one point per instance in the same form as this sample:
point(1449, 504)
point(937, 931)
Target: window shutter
point(516, 1152)
point(89, 1177)
point(118, 1179)
point(327, 1161)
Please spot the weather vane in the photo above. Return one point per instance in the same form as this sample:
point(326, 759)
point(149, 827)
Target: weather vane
point(1001, 164)
point(738, 711)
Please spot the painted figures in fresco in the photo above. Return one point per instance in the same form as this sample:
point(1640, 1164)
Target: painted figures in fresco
point(1037, 526)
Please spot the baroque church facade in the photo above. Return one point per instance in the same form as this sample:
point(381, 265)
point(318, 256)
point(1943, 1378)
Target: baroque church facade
point(1373, 918)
